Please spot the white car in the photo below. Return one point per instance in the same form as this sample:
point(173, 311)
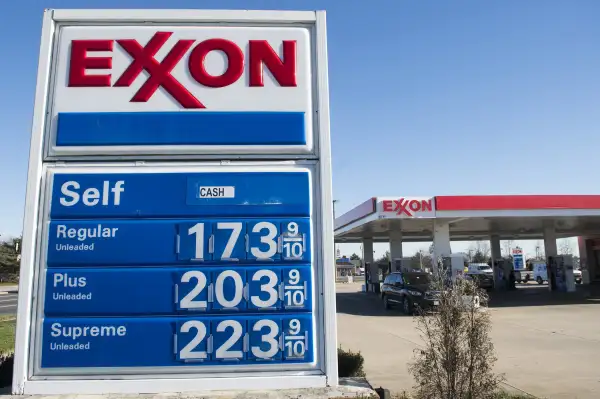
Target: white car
point(540, 274)
point(480, 269)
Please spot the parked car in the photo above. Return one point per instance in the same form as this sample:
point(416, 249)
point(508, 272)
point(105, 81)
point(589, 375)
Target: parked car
point(410, 291)
point(479, 268)
point(482, 274)
point(483, 280)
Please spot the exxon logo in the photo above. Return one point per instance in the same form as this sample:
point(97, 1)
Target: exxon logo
point(260, 54)
point(408, 207)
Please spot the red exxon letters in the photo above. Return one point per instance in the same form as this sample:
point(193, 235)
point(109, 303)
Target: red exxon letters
point(407, 206)
point(260, 53)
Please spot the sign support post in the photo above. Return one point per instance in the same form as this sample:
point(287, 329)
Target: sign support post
point(178, 232)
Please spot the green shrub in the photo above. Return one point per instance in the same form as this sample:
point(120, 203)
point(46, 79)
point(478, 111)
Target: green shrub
point(350, 364)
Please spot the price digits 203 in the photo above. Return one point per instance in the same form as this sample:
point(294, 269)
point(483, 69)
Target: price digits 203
point(263, 289)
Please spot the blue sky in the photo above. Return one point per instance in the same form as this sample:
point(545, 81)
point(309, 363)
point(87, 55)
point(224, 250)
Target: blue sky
point(427, 97)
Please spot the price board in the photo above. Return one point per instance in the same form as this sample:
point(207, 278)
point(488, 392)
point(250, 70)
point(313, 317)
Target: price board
point(151, 249)
point(178, 225)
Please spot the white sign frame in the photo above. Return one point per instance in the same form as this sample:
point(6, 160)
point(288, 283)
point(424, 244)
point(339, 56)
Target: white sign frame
point(34, 243)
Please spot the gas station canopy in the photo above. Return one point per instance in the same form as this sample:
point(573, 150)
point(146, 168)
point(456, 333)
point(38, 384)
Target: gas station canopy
point(470, 217)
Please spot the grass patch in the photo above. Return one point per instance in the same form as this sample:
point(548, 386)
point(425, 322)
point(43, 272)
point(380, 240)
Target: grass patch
point(7, 334)
point(5, 283)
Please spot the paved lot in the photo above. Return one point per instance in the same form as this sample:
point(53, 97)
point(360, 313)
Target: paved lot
point(549, 348)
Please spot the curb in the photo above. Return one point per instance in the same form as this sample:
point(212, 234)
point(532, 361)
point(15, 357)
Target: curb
point(383, 393)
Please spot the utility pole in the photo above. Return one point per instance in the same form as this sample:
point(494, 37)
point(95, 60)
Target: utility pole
point(334, 245)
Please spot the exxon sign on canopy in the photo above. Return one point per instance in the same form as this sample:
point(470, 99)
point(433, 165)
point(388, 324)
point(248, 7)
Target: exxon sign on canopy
point(229, 80)
point(406, 207)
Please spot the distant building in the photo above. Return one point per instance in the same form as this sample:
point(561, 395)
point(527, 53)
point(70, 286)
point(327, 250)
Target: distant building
point(344, 266)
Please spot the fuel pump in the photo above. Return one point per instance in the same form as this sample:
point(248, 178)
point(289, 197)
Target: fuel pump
point(454, 266)
point(367, 276)
point(551, 270)
point(371, 276)
point(503, 269)
point(566, 265)
point(376, 274)
point(498, 267)
point(560, 273)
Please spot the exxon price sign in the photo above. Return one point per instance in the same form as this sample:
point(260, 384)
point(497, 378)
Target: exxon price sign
point(191, 254)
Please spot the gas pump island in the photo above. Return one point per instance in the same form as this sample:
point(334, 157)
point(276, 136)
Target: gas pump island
point(164, 266)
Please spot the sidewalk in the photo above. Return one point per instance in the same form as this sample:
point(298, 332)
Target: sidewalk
point(348, 388)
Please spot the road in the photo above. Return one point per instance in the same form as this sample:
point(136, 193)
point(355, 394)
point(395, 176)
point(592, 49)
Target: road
point(8, 303)
point(547, 350)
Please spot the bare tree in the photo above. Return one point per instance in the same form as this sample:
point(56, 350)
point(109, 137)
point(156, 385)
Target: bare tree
point(565, 247)
point(479, 251)
point(539, 250)
point(457, 358)
point(507, 245)
point(384, 258)
point(483, 247)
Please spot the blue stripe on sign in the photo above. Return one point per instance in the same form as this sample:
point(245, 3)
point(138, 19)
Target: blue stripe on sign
point(180, 128)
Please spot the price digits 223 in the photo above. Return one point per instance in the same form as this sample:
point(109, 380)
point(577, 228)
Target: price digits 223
point(230, 240)
point(230, 339)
